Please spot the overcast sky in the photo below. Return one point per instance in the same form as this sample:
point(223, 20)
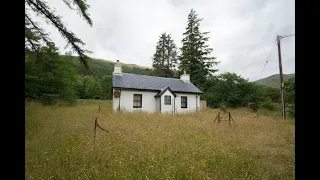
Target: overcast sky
point(242, 32)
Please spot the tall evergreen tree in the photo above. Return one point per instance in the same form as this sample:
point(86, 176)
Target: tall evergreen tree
point(172, 56)
point(159, 55)
point(195, 53)
point(165, 58)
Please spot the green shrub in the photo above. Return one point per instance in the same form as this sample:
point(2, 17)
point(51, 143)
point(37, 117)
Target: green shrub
point(268, 104)
point(48, 99)
point(223, 107)
point(254, 106)
point(291, 111)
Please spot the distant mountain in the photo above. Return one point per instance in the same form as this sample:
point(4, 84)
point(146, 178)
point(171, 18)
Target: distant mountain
point(274, 80)
point(101, 67)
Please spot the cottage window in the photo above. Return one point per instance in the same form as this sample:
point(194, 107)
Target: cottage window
point(137, 101)
point(167, 100)
point(184, 102)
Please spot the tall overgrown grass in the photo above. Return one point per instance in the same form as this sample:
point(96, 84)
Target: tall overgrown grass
point(59, 144)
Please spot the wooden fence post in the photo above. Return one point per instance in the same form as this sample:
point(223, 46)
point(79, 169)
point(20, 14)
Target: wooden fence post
point(95, 128)
point(215, 118)
point(232, 119)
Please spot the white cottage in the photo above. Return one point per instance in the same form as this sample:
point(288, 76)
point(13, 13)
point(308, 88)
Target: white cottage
point(133, 92)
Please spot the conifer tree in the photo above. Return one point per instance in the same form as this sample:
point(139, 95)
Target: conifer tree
point(172, 56)
point(195, 53)
point(165, 58)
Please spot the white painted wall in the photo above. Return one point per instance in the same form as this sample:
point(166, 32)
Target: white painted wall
point(192, 100)
point(158, 104)
point(167, 108)
point(115, 101)
point(126, 101)
point(151, 104)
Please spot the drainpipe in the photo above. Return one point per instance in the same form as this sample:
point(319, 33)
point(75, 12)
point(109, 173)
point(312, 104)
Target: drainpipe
point(160, 103)
point(119, 101)
point(174, 105)
point(197, 102)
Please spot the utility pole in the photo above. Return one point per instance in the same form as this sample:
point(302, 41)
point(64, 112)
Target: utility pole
point(281, 80)
point(283, 108)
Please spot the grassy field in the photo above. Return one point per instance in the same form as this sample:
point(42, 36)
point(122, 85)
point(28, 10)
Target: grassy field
point(59, 144)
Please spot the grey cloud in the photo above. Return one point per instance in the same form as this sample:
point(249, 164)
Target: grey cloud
point(242, 33)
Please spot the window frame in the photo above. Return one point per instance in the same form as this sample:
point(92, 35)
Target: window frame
point(137, 100)
point(165, 102)
point(186, 97)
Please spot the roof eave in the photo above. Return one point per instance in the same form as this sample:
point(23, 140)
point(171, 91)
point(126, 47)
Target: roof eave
point(140, 89)
point(125, 88)
point(161, 92)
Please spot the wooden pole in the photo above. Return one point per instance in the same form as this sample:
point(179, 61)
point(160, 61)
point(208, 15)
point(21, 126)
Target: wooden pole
point(95, 128)
point(229, 119)
point(283, 108)
point(232, 119)
point(99, 107)
point(216, 118)
point(219, 117)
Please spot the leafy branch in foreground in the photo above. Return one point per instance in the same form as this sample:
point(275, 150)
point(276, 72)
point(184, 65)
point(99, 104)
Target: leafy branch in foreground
point(35, 36)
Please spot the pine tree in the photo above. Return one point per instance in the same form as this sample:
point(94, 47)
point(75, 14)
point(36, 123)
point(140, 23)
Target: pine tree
point(165, 58)
point(159, 56)
point(172, 56)
point(195, 53)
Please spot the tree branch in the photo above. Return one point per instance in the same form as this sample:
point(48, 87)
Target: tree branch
point(72, 39)
point(35, 26)
point(82, 8)
point(34, 47)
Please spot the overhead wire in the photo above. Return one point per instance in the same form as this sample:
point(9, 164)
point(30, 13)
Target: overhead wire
point(267, 59)
point(271, 53)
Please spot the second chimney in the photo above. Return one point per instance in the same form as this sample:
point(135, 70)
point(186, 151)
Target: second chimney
point(185, 77)
point(117, 69)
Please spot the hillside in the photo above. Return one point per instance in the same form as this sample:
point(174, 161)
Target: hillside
point(274, 80)
point(102, 67)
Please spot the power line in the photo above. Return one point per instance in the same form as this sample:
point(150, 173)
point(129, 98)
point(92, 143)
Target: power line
point(271, 52)
point(287, 36)
point(267, 59)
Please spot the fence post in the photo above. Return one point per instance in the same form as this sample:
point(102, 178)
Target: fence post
point(219, 117)
point(229, 119)
point(99, 107)
point(95, 128)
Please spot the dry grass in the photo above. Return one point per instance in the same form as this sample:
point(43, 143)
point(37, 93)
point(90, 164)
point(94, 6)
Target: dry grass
point(59, 145)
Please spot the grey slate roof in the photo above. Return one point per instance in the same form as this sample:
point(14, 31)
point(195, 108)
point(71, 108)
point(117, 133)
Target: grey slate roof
point(136, 81)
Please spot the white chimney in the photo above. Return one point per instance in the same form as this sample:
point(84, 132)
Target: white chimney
point(117, 69)
point(185, 77)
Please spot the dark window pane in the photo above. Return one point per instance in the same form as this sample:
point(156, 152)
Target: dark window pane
point(184, 102)
point(137, 100)
point(167, 100)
